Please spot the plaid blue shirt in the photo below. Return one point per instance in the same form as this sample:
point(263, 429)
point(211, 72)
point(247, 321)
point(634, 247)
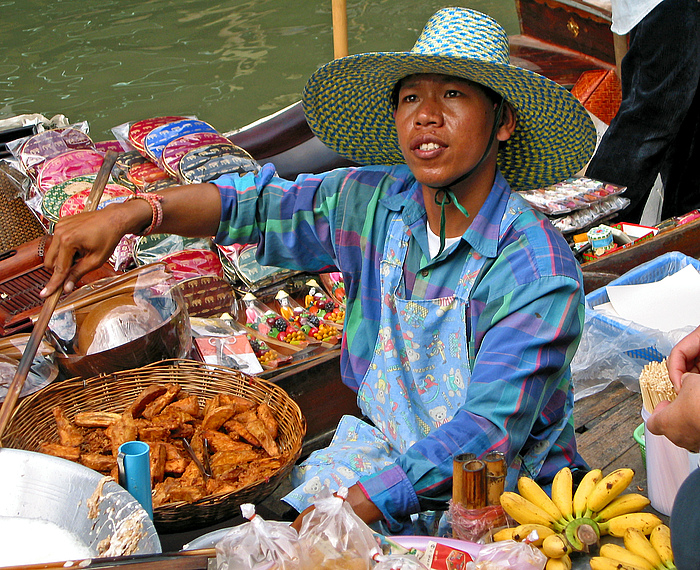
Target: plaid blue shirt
point(524, 319)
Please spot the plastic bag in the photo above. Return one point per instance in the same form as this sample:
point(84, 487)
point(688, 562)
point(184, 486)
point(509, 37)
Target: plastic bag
point(509, 554)
point(258, 544)
point(333, 537)
point(398, 562)
point(603, 357)
point(472, 524)
point(112, 312)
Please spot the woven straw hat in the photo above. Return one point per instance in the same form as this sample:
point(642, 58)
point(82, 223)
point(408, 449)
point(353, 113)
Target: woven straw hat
point(348, 106)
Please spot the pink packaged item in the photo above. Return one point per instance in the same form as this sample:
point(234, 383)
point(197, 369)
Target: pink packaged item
point(66, 166)
point(46, 145)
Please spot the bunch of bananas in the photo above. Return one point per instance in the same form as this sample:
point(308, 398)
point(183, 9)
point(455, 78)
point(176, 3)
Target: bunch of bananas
point(639, 552)
point(571, 521)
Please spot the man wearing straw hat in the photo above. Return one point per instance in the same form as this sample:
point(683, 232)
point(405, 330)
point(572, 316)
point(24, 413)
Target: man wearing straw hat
point(464, 305)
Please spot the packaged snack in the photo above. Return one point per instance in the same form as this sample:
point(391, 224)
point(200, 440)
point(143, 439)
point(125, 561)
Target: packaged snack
point(134, 134)
point(213, 160)
point(258, 545)
point(570, 195)
point(510, 554)
point(179, 147)
point(219, 343)
point(332, 536)
point(66, 166)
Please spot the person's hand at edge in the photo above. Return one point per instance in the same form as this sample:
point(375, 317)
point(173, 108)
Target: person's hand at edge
point(684, 357)
point(679, 420)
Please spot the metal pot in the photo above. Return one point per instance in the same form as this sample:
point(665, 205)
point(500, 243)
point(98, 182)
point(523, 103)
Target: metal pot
point(58, 491)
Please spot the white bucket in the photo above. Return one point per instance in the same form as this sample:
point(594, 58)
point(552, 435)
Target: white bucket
point(667, 467)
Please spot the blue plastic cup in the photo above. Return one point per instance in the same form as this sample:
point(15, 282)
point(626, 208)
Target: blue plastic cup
point(134, 465)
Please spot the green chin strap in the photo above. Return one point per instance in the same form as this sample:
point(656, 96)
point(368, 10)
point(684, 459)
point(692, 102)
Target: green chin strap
point(445, 192)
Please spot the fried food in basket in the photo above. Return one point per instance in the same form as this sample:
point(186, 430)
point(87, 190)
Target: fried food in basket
point(239, 434)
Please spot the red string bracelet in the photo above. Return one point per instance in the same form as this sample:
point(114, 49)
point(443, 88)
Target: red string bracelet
point(154, 201)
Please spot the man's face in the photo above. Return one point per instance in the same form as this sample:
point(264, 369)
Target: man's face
point(443, 126)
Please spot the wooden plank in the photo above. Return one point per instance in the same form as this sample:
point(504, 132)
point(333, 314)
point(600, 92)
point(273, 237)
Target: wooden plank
point(588, 409)
point(611, 435)
point(605, 424)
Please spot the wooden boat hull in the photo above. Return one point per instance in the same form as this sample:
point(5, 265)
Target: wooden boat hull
point(599, 272)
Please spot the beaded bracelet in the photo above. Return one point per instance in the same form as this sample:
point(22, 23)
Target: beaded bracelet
point(157, 216)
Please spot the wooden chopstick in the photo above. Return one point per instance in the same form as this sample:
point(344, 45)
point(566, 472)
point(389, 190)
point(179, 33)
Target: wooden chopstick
point(48, 308)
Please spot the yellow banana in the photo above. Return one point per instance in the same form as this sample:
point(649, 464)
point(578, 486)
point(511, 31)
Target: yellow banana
point(524, 531)
point(608, 488)
point(562, 493)
point(603, 563)
point(529, 489)
point(617, 526)
point(504, 534)
point(525, 512)
point(617, 552)
point(563, 563)
point(660, 539)
point(637, 542)
point(589, 481)
point(627, 503)
point(556, 546)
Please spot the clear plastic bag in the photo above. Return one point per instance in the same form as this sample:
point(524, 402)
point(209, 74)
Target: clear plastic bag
point(113, 312)
point(258, 544)
point(509, 554)
point(398, 562)
point(333, 537)
point(606, 354)
point(471, 524)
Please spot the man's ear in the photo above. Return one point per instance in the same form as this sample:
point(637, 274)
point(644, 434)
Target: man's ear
point(509, 120)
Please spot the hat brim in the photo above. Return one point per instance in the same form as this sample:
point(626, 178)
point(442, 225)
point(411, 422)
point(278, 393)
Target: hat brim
point(347, 103)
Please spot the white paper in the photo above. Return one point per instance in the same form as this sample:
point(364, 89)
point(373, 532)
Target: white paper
point(665, 305)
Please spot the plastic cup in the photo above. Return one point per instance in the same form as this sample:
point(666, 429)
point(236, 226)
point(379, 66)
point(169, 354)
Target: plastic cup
point(134, 465)
point(667, 467)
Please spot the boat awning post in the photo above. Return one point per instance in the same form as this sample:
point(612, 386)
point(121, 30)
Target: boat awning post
point(340, 28)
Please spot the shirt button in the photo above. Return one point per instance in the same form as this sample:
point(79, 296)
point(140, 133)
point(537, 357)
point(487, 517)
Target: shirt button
point(425, 273)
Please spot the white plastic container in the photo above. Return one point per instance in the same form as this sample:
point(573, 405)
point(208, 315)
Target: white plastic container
point(667, 467)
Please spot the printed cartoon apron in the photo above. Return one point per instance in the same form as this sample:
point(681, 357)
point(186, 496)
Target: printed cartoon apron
point(417, 380)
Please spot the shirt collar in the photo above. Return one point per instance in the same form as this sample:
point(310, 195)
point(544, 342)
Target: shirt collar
point(484, 231)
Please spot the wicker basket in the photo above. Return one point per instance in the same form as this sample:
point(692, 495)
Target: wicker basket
point(18, 224)
point(33, 422)
point(600, 93)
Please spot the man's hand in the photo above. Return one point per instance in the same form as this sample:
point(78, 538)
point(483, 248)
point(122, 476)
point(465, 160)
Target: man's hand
point(83, 242)
point(679, 420)
point(684, 357)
